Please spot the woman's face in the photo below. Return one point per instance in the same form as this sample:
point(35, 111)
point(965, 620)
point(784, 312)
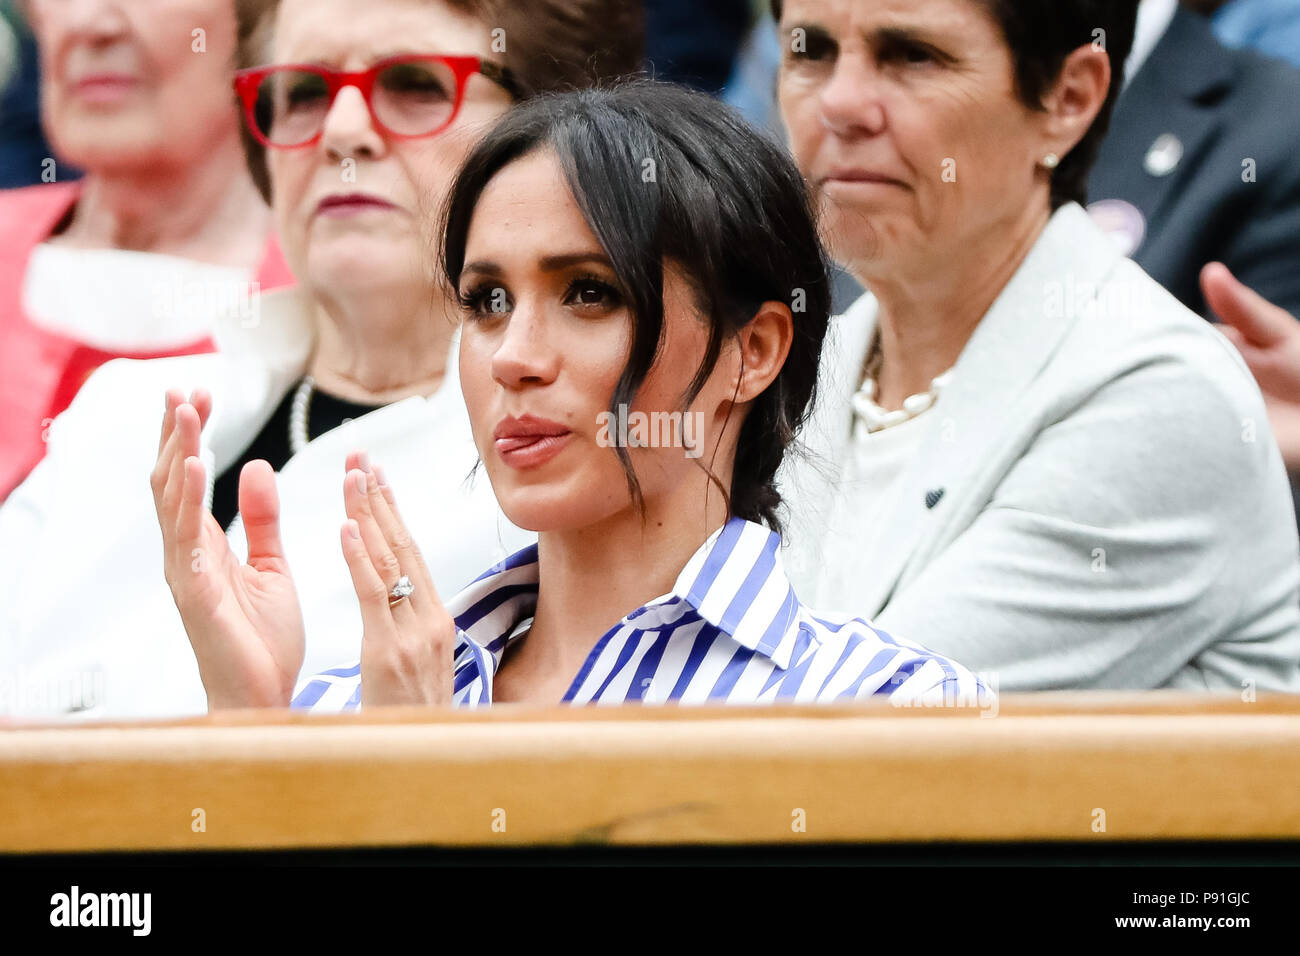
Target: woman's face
point(381, 242)
point(131, 82)
point(903, 117)
point(544, 339)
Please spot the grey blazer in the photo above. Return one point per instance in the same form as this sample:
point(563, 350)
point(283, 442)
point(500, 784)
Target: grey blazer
point(1097, 502)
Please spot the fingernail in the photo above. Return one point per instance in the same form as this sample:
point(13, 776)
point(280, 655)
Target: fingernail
point(365, 462)
point(359, 482)
point(379, 476)
point(354, 531)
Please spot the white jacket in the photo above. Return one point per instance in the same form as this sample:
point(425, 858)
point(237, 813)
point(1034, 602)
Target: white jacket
point(1097, 500)
point(88, 626)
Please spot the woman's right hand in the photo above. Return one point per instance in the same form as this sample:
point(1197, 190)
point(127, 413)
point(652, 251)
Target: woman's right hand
point(243, 620)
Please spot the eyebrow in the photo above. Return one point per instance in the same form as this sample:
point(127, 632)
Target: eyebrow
point(555, 263)
point(882, 36)
point(813, 31)
point(369, 56)
point(921, 37)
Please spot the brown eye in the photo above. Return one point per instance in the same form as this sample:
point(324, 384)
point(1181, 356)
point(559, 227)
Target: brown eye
point(485, 301)
point(592, 293)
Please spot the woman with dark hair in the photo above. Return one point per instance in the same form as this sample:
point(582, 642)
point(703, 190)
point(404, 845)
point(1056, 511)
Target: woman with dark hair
point(1037, 460)
point(627, 261)
point(358, 116)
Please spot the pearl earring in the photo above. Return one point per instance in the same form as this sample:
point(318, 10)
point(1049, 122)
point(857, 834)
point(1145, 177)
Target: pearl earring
point(1051, 161)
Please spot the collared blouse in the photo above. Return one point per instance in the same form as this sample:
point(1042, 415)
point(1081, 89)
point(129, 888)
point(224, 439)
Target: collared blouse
point(731, 631)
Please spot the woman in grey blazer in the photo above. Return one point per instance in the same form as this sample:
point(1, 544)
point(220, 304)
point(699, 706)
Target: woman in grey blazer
point(1028, 455)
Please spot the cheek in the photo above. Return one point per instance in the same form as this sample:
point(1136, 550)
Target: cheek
point(595, 360)
point(48, 26)
point(474, 365)
point(428, 166)
point(799, 112)
point(189, 45)
point(290, 174)
point(422, 173)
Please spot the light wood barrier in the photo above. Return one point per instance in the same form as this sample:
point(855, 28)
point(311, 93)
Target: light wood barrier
point(1160, 766)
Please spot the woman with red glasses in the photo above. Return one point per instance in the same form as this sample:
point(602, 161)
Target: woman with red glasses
point(357, 116)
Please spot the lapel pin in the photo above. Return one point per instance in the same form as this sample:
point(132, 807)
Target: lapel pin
point(1122, 221)
point(1164, 155)
point(932, 498)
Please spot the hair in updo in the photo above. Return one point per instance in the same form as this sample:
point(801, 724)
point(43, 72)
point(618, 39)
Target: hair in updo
point(725, 206)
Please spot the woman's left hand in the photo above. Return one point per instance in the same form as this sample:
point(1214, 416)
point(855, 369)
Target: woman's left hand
point(407, 648)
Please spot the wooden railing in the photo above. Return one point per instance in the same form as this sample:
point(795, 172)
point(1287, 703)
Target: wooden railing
point(1060, 767)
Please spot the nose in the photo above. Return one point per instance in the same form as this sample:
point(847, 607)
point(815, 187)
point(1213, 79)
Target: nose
point(99, 21)
point(349, 129)
point(851, 101)
point(524, 356)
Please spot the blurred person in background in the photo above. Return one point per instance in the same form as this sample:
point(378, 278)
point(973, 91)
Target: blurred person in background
point(1270, 27)
point(1033, 458)
point(164, 235)
point(1202, 161)
point(695, 43)
point(23, 146)
point(1268, 338)
point(751, 89)
point(359, 115)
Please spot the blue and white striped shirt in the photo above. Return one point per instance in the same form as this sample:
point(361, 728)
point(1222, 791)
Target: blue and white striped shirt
point(731, 631)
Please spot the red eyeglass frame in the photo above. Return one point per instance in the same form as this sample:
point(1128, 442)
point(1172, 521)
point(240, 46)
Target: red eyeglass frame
point(247, 81)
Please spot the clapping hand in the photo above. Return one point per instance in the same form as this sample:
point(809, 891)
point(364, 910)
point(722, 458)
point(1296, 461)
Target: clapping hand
point(1268, 338)
point(408, 643)
point(243, 620)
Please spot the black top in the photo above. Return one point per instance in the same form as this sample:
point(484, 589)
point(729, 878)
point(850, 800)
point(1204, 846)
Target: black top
point(325, 412)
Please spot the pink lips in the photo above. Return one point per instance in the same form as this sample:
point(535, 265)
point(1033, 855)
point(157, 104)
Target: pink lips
point(347, 204)
point(853, 176)
point(104, 88)
point(529, 442)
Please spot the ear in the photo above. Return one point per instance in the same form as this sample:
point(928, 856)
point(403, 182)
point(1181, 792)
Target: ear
point(763, 345)
point(1076, 98)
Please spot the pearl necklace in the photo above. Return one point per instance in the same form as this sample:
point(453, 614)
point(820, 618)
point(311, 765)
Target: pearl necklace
point(298, 415)
point(876, 418)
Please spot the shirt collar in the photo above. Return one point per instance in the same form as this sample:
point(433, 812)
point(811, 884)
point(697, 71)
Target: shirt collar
point(734, 581)
point(1153, 20)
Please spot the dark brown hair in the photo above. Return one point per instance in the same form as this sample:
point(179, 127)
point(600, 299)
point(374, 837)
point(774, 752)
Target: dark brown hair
point(726, 205)
point(550, 45)
point(1040, 35)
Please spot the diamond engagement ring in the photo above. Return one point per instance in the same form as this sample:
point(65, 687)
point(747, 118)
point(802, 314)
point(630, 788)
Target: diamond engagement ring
point(401, 591)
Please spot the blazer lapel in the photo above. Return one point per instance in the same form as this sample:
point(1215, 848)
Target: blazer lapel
point(1021, 332)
